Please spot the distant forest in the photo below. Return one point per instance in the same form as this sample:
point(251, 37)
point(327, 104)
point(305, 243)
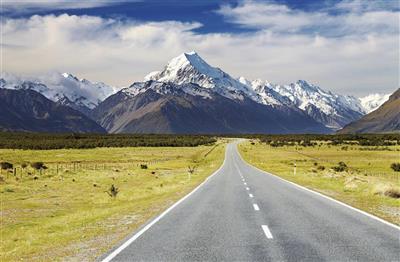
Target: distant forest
point(337, 139)
point(59, 141)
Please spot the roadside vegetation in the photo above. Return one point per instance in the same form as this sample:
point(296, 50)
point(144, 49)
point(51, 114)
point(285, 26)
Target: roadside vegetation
point(78, 203)
point(360, 172)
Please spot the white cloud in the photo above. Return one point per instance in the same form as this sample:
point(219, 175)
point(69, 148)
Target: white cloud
point(120, 52)
point(345, 18)
point(32, 6)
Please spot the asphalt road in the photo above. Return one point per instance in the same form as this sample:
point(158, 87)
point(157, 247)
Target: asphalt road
point(243, 214)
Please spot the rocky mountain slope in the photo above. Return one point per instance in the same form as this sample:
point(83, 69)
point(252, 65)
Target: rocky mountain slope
point(28, 110)
point(332, 110)
point(188, 89)
point(66, 89)
point(156, 107)
point(384, 119)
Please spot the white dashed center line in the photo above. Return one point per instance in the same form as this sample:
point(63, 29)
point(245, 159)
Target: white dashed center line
point(267, 232)
point(247, 188)
point(251, 195)
point(245, 183)
point(256, 208)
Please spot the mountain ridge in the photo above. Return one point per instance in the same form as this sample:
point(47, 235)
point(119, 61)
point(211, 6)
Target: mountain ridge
point(384, 119)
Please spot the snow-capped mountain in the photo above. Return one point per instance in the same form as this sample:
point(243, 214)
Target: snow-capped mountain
point(167, 88)
point(191, 68)
point(374, 101)
point(333, 110)
point(81, 94)
point(191, 96)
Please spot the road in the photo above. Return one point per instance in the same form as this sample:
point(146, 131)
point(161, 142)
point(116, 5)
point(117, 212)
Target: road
point(243, 214)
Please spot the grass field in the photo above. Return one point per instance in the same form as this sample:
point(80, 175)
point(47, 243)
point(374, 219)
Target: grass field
point(65, 211)
point(368, 183)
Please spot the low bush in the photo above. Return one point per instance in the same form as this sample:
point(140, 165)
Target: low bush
point(395, 167)
point(143, 166)
point(38, 165)
point(6, 165)
point(341, 167)
point(392, 192)
point(113, 191)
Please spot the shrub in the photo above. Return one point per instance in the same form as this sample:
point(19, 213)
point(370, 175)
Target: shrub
point(395, 167)
point(38, 165)
point(387, 190)
point(340, 167)
point(392, 192)
point(24, 165)
point(113, 191)
point(6, 165)
point(143, 166)
point(321, 168)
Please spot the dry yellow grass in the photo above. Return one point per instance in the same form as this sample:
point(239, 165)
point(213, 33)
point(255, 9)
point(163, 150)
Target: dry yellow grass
point(68, 214)
point(369, 183)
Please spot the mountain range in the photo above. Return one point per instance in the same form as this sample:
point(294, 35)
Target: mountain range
point(190, 96)
point(384, 119)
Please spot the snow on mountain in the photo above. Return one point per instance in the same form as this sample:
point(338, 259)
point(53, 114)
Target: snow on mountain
point(166, 88)
point(333, 110)
point(191, 68)
point(65, 88)
point(372, 102)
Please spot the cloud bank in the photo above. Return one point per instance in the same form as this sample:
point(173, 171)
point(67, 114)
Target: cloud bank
point(349, 48)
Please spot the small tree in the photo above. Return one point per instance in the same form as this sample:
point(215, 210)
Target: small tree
point(395, 167)
point(113, 191)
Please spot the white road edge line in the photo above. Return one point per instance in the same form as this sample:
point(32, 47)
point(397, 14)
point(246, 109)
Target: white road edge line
point(247, 188)
point(324, 196)
point(256, 208)
point(251, 195)
point(267, 232)
point(113, 254)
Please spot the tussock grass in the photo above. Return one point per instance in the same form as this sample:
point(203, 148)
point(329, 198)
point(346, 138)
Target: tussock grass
point(387, 190)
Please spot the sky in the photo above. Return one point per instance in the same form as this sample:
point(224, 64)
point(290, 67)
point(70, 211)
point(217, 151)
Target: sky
point(346, 46)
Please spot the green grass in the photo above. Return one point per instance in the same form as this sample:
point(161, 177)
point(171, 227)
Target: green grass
point(68, 214)
point(365, 185)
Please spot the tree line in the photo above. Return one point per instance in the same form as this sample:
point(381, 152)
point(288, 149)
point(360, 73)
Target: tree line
point(82, 141)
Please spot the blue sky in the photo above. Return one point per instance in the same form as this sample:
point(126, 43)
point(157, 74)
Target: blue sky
point(348, 46)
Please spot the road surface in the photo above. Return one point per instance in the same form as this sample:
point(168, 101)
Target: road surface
point(243, 214)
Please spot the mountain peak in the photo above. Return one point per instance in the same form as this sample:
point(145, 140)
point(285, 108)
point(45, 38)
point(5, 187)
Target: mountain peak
point(70, 76)
point(186, 64)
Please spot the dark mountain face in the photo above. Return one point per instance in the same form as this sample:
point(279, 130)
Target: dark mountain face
point(384, 119)
point(81, 108)
point(28, 110)
point(176, 111)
